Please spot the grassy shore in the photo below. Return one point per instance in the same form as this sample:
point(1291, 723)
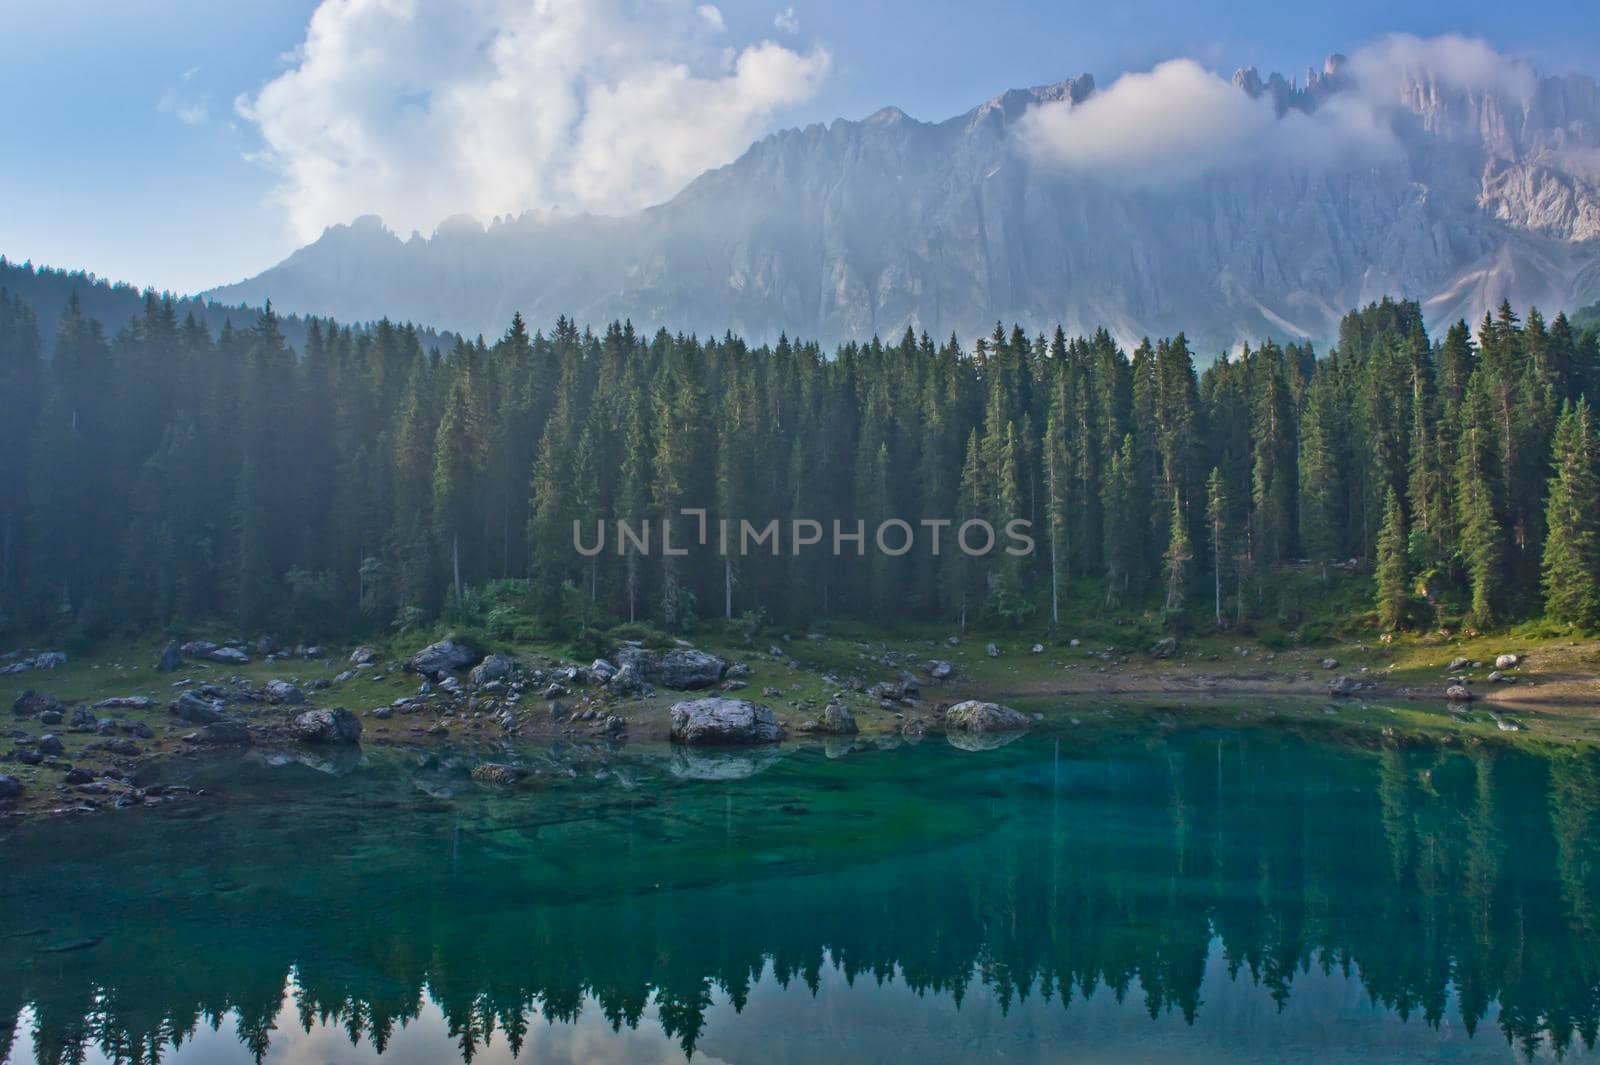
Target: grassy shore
point(1072, 687)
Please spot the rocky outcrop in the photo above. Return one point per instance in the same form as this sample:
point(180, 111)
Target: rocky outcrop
point(724, 723)
point(683, 669)
point(446, 656)
point(335, 726)
point(199, 710)
point(976, 716)
point(497, 666)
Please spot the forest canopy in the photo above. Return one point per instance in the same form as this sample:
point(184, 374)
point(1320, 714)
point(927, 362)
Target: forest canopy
point(374, 479)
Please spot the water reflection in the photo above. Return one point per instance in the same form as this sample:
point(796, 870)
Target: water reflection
point(1204, 896)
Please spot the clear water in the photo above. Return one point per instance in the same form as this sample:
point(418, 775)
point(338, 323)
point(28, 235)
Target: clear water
point(1189, 896)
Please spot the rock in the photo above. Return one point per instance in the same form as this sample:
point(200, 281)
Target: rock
point(1457, 665)
point(1506, 662)
point(626, 681)
point(976, 716)
point(226, 734)
point(312, 652)
point(125, 748)
point(1036, 649)
point(50, 717)
point(27, 756)
point(602, 670)
point(1164, 648)
point(50, 745)
point(32, 704)
point(1330, 663)
point(682, 669)
point(171, 659)
point(723, 722)
point(230, 656)
point(497, 666)
point(198, 710)
point(83, 721)
point(1343, 687)
point(77, 776)
point(446, 656)
point(496, 773)
point(1458, 693)
point(139, 729)
point(953, 641)
point(941, 671)
point(282, 692)
point(992, 651)
point(616, 725)
point(1495, 677)
point(10, 787)
point(363, 656)
point(336, 726)
point(838, 721)
point(125, 702)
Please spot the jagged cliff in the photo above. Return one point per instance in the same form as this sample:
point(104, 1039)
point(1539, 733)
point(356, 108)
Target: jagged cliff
point(855, 228)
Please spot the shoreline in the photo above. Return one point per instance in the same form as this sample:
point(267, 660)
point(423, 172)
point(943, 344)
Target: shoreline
point(120, 762)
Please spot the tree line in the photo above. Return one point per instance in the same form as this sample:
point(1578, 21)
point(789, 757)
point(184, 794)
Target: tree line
point(370, 480)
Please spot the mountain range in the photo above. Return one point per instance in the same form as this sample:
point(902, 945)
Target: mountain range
point(1039, 207)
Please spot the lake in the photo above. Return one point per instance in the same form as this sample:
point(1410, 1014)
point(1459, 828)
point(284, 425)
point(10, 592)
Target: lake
point(1194, 896)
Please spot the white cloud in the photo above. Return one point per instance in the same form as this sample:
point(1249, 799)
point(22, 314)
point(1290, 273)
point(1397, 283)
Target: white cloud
point(418, 109)
point(1180, 121)
point(786, 20)
point(190, 110)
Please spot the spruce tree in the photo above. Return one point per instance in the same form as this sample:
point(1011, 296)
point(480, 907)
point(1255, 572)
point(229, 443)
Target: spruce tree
point(1217, 528)
point(1571, 570)
point(1393, 565)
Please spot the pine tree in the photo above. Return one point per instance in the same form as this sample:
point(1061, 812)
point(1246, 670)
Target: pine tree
point(1177, 557)
point(1217, 527)
point(1571, 570)
point(1393, 565)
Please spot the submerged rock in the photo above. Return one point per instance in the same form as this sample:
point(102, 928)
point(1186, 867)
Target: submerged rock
point(976, 716)
point(496, 773)
point(724, 722)
point(335, 726)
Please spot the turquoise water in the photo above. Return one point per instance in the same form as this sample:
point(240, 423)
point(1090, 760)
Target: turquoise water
point(1187, 896)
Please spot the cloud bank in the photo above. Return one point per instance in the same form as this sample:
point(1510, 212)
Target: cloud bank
point(1179, 121)
point(418, 109)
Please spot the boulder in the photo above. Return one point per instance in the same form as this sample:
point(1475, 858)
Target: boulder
point(626, 680)
point(32, 704)
point(226, 734)
point(496, 773)
point(1506, 662)
point(992, 651)
point(682, 669)
point(497, 666)
point(125, 702)
point(10, 787)
point(199, 710)
point(602, 671)
point(838, 721)
point(723, 722)
point(1343, 687)
point(50, 745)
point(198, 648)
point(284, 693)
point(976, 716)
point(941, 671)
point(1036, 649)
point(446, 656)
point(83, 720)
point(1457, 665)
point(363, 656)
point(335, 726)
point(1330, 663)
point(229, 656)
point(1458, 693)
point(171, 659)
point(1164, 648)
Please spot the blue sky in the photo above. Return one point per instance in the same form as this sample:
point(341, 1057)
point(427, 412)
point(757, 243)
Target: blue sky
point(122, 150)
